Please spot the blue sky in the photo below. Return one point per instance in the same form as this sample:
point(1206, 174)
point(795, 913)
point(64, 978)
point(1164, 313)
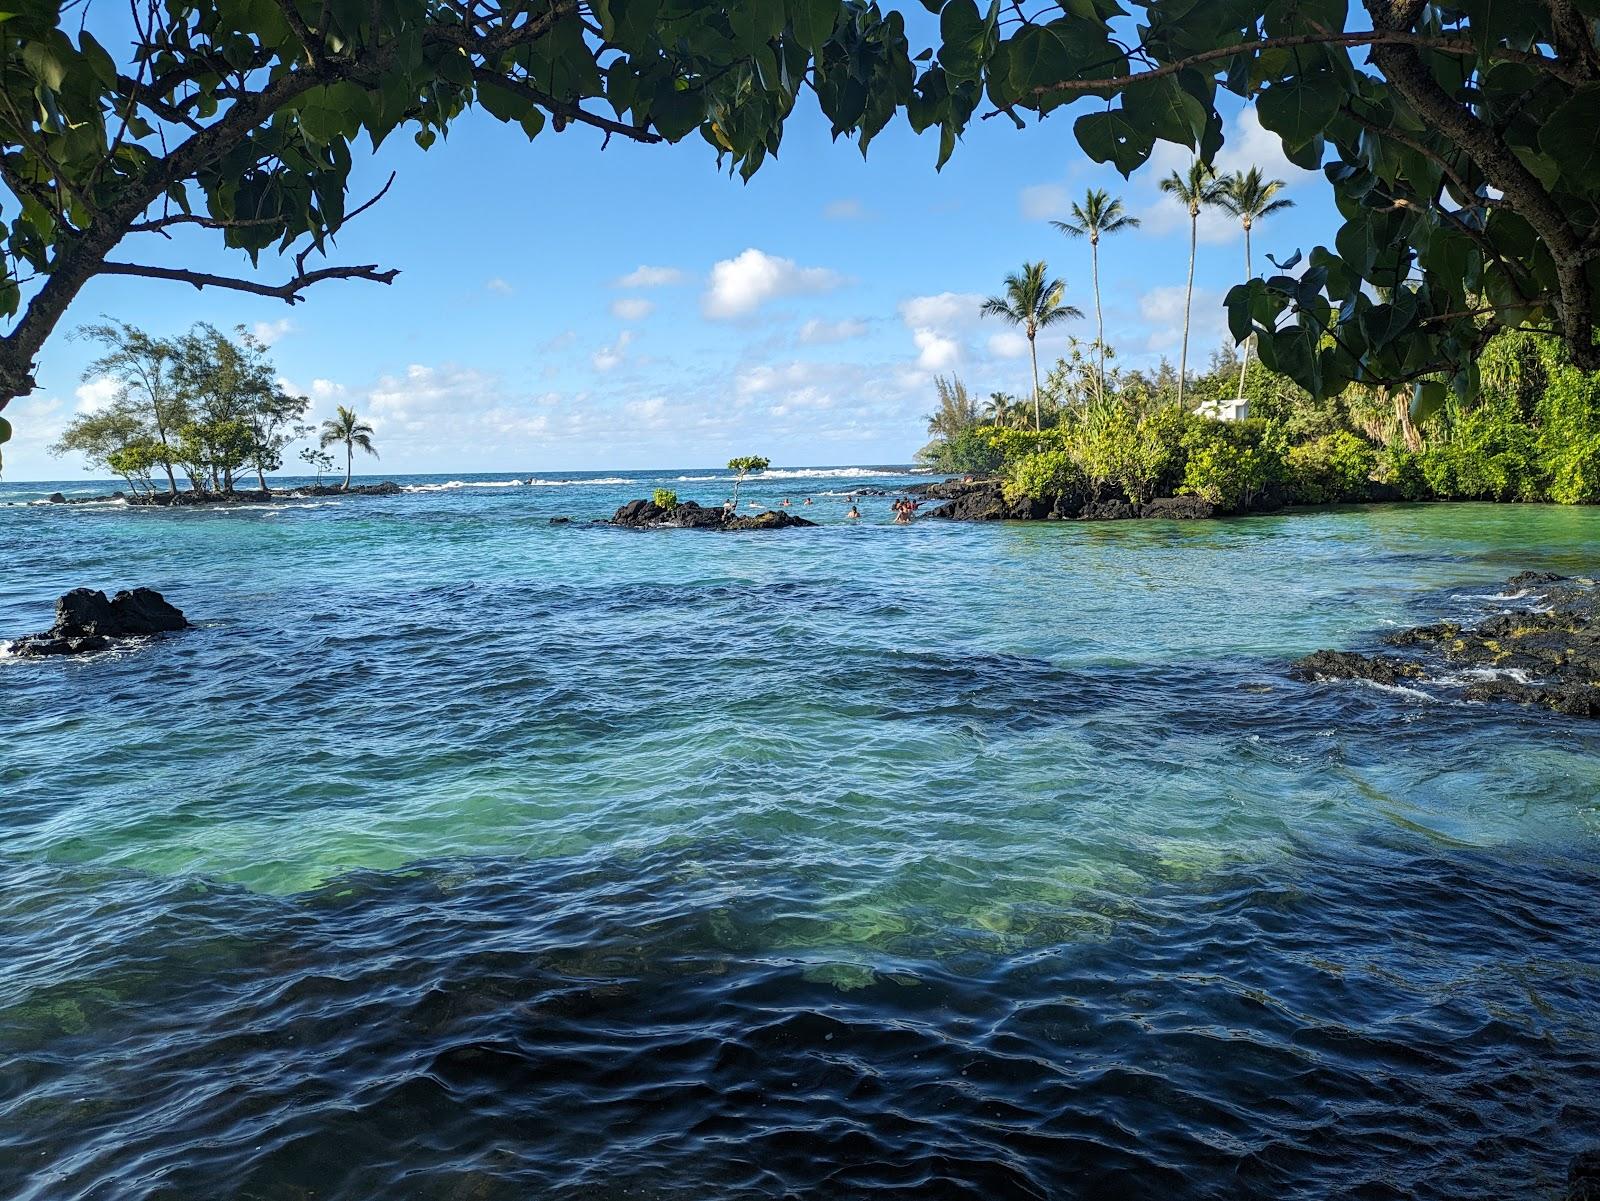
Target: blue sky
point(560, 308)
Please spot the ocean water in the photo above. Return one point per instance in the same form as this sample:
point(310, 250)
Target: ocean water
point(460, 856)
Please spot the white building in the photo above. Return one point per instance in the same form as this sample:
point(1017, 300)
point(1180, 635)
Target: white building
point(1225, 409)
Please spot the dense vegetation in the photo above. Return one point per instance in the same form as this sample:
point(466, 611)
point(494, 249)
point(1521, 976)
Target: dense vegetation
point(1531, 434)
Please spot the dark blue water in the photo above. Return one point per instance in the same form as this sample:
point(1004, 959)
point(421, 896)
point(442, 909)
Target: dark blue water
point(457, 855)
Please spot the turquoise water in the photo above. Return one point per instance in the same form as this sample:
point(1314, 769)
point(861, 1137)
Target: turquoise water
point(461, 855)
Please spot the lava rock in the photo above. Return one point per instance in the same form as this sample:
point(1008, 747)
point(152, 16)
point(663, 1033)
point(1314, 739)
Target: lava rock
point(772, 519)
point(86, 621)
point(1574, 700)
point(689, 515)
point(55, 498)
point(561, 521)
point(1347, 665)
point(1545, 654)
point(1178, 508)
point(1108, 510)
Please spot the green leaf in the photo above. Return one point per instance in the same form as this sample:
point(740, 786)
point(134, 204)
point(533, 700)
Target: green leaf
point(501, 103)
point(1111, 137)
point(813, 21)
point(46, 62)
point(966, 38)
point(1300, 109)
point(1571, 138)
point(1167, 111)
point(1427, 398)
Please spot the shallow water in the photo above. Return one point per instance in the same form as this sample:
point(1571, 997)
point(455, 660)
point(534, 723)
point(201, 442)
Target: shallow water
point(457, 855)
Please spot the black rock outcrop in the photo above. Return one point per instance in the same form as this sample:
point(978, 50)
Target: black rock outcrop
point(647, 515)
point(86, 621)
point(1546, 651)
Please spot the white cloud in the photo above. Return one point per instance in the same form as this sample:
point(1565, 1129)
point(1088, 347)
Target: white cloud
point(849, 209)
point(947, 310)
point(1042, 201)
point(1008, 345)
point(268, 332)
point(817, 332)
point(651, 277)
point(935, 351)
point(1161, 310)
point(940, 325)
point(608, 358)
point(740, 286)
point(559, 341)
point(323, 390)
point(632, 308)
point(500, 287)
point(96, 394)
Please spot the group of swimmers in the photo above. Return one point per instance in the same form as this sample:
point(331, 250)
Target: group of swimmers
point(903, 508)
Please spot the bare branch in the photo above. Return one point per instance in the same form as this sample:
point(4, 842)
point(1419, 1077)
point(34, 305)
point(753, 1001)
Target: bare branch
point(288, 292)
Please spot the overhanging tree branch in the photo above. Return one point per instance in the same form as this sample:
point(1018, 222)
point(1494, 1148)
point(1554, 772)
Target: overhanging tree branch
point(562, 109)
point(289, 292)
point(1290, 41)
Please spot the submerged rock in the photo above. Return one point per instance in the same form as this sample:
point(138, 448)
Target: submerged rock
point(1347, 665)
point(1547, 653)
point(647, 515)
point(86, 621)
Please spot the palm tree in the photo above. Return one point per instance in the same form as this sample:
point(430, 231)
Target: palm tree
point(353, 432)
point(1194, 191)
point(1251, 197)
point(999, 411)
point(1098, 215)
point(1033, 301)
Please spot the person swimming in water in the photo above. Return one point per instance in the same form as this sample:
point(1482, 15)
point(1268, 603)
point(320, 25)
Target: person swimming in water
point(853, 511)
point(808, 500)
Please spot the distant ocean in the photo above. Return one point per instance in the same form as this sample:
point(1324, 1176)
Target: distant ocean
point(458, 855)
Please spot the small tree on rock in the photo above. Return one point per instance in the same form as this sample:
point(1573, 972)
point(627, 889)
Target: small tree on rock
point(745, 464)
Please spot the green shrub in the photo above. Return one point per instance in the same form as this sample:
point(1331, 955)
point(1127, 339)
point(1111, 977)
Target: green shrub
point(1232, 463)
point(665, 498)
point(1332, 469)
point(1043, 475)
point(1401, 469)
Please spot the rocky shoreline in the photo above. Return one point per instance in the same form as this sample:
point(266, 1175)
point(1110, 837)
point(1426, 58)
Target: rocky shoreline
point(250, 496)
point(985, 500)
point(1546, 651)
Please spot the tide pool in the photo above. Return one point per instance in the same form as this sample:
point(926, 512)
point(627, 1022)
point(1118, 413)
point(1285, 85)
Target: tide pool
point(457, 854)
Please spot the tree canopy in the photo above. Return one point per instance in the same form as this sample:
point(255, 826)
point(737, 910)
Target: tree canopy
point(1458, 135)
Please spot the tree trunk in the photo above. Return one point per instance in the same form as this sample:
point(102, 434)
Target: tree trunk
point(172, 480)
point(349, 464)
point(1033, 350)
point(262, 477)
point(1409, 432)
point(1099, 320)
point(1188, 303)
point(1249, 270)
